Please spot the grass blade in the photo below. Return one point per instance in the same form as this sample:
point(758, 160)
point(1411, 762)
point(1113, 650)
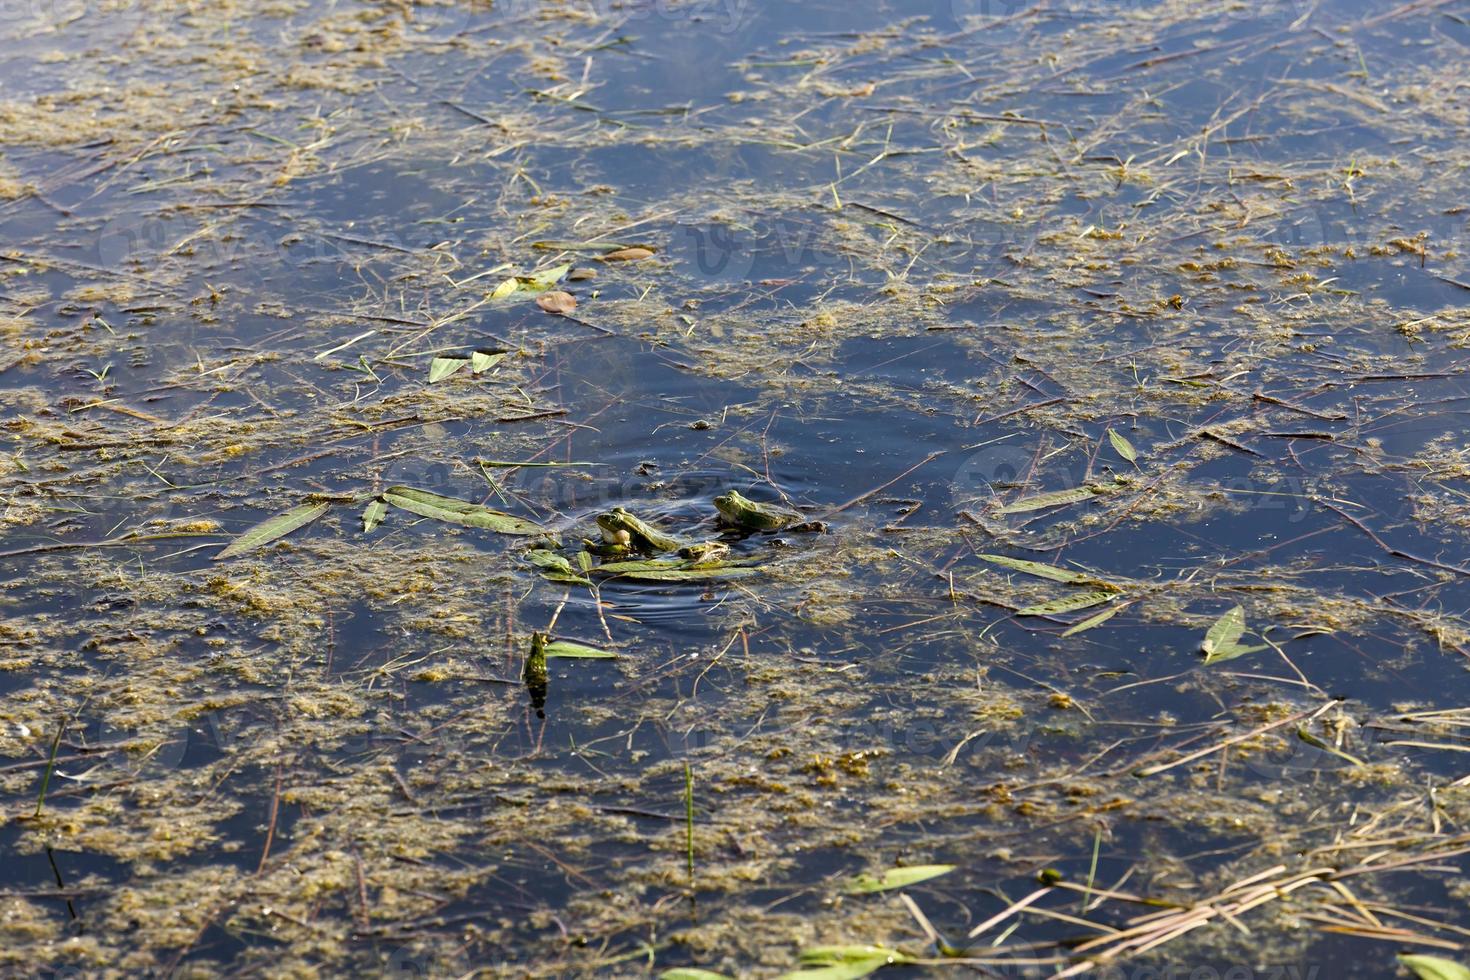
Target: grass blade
point(272, 528)
point(1056, 498)
point(454, 511)
point(1066, 604)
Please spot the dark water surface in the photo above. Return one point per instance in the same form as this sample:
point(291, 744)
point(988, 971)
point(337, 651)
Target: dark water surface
point(913, 266)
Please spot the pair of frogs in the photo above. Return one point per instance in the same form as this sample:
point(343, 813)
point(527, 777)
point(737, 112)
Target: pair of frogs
point(623, 533)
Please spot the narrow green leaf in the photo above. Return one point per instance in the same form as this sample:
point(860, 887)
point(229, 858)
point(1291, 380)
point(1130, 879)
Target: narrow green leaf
point(866, 883)
point(454, 511)
point(584, 560)
point(1434, 967)
point(1226, 632)
point(1123, 447)
point(566, 648)
point(1056, 498)
point(372, 514)
point(1067, 603)
point(1097, 620)
point(592, 246)
point(700, 574)
point(1042, 571)
point(442, 367)
point(1229, 652)
point(845, 962)
point(1326, 746)
point(272, 528)
point(481, 361)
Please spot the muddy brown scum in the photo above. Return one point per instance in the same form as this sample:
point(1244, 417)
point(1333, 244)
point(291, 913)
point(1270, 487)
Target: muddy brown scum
point(1099, 366)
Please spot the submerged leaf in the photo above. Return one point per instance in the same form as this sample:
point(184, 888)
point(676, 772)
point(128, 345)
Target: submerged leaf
point(1067, 603)
point(1042, 571)
point(557, 301)
point(442, 367)
point(455, 511)
point(895, 878)
point(1093, 621)
point(481, 361)
point(272, 528)
point(1056, 498)
point(1123, 447)
point(1427, 967)
point(566, 648)
point(372, 514)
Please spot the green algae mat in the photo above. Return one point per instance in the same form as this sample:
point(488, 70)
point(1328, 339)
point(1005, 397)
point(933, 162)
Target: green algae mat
point(718, 488)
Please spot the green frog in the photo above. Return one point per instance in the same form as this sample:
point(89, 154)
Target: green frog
point(621, 528)
point(742, 512)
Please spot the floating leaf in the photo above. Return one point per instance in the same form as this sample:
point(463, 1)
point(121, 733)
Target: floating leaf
point(557, 301)
point(1230, 652)
point(585, 560)
point(697, 574)
point(1043, 571)
point(1057, 498)
point(566, 578)
point(1123, 447)
point(630, 254)
point(442, 367)
point(1097, 620)
point(845, 962)
point(272, 528)
point(542, 558)
point(1226, 632)
point(691, 973)
point(1066, 604)
point(865, 883)
point(372, 514)
point(483, 361)
point(578, 246)
point(506, 288)
point(566, 648)
point(455, 511)
point(547, 278)
point(1434, 967)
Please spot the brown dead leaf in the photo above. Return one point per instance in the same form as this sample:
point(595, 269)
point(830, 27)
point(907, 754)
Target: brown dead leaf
point(631, 254)
point(557, 301)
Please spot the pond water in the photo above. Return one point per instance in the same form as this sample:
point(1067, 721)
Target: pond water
point(1107, 358)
